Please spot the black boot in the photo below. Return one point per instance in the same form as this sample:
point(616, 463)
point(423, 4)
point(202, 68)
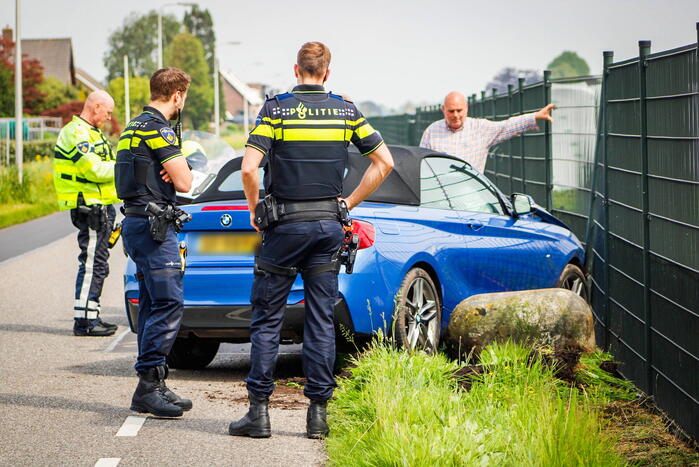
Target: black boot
point(91, 327)
point(255, 423)
point(184, 404)
point(150, 395)
point(108, 325)
point(316, 423)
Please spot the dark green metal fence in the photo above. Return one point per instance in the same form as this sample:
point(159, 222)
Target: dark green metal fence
point(644, 237)
point(620, 165)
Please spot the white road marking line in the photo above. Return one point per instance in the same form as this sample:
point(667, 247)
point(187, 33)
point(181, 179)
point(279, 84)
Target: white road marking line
point(131, 426)
point(108, 462)
point(116, 341)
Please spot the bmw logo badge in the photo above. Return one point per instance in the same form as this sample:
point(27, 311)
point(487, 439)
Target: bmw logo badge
point(226, 220)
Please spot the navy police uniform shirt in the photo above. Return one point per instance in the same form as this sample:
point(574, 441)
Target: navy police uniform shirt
point(150, 133)
point(348, 124)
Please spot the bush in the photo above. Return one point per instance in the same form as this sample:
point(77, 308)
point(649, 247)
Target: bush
point(35, 197)
point(32, 149)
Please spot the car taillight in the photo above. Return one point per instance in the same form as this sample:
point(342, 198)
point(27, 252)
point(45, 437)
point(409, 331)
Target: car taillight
point(366, 233)
point(224, 208)
point(133, 300)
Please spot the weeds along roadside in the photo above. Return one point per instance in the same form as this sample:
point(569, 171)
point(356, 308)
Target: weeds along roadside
point(35, 197)
point(401, 408)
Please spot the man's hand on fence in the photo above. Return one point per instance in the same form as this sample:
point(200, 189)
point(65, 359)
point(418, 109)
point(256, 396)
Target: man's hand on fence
point(545, 113)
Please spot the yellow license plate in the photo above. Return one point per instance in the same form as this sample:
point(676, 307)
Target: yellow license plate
point(228, 243)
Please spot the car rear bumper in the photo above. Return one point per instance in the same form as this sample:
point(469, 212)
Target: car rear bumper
point(232, 323)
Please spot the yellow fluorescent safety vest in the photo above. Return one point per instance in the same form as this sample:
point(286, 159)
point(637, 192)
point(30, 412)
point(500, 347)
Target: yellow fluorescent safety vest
point(83, 163)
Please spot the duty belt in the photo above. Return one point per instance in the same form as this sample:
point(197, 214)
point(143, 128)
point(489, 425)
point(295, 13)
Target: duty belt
point(136, 211)
point(296, 211)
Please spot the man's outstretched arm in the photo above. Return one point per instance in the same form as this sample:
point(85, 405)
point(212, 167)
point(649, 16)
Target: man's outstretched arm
point(381, 166)
point(514, 126)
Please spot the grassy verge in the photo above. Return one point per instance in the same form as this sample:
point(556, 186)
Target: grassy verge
point(410, 409)
point(35, 197)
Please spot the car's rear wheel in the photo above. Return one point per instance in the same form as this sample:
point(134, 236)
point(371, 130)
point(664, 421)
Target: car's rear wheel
point(573, 279)
point(192, 353)
point(418, 314)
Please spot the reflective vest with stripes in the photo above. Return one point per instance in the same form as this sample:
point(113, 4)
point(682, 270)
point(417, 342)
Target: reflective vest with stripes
point(83, 163)
point(309, 154)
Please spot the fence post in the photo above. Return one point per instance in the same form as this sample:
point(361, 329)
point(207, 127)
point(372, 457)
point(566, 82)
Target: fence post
point(608, 57)
point(520, 87)
point(510, 143)
point(644, 51)
point(493, 115)
point(473, 100)
point(547, 139)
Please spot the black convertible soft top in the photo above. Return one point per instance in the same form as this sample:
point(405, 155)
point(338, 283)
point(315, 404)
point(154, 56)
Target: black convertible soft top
point(401, 187)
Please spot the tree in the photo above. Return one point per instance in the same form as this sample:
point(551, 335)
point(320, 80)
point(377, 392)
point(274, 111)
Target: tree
point(56, 93)
point(139, 95)
point(32, 77)
point(200, 25)
point(510, 75)
point(69, 109)
point(187, 53)
point(568, 65)
point(138, 38)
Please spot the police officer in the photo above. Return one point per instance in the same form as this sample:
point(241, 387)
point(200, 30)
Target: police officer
point(84, 180)
point(150, 169)
point(305, 135)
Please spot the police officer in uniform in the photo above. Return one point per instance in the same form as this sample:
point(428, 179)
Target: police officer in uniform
point(305, 135)
point(150, 169)
point(84, 180)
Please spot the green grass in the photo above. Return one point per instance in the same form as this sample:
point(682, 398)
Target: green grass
point(407, 409)
point(35, 197)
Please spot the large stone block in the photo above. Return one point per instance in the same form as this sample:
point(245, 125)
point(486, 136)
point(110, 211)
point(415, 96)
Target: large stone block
point(555, 317)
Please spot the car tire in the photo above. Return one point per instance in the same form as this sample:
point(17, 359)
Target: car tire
point(417, 317)
point(192, 353)
point(572, 278)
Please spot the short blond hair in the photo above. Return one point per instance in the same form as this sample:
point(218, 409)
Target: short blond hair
point(313, 59)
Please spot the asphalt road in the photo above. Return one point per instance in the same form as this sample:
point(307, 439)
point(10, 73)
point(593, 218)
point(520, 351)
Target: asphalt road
point(65, 399)
point(28, 236)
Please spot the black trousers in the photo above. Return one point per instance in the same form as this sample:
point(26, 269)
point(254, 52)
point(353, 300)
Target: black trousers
point(93, 267)
point(301, 244)
point(160, 293)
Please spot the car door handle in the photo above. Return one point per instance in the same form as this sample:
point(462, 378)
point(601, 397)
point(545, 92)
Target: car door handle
point(474, 224)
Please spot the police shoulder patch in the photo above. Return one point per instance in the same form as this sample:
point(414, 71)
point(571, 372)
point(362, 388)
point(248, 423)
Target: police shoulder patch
point(168, 135)
point(83, 146)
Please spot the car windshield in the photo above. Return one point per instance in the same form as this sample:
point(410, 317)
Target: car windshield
point(206, 154)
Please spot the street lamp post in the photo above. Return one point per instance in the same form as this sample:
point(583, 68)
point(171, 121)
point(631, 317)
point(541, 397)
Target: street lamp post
point(217, 116)
point(127, 103)
point(19, 105)
point(160, 28)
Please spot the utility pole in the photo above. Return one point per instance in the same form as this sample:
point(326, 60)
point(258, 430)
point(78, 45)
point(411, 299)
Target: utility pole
point(19, 105)
point(160, 40)
point(217, 117)
point(127, 104)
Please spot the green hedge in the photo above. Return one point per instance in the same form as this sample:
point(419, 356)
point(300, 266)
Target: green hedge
point(35, 197)
point(32, 149)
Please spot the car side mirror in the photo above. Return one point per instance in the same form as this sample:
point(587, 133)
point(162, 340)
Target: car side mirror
point(522, 203)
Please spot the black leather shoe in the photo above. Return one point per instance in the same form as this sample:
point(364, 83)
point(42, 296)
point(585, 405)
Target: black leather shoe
point(91, 328)
point(184, 404)
point(316, 423)
point(255, 423)
point(107, 325)
point(149, 396)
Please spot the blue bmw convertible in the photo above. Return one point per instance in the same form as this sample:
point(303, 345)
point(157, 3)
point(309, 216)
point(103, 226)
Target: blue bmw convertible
point(434, 233)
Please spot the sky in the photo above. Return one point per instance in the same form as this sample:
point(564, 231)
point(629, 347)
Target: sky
point(387, 51)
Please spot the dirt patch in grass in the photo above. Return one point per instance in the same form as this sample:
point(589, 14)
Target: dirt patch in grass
point(644, 437)
point(288, 395)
